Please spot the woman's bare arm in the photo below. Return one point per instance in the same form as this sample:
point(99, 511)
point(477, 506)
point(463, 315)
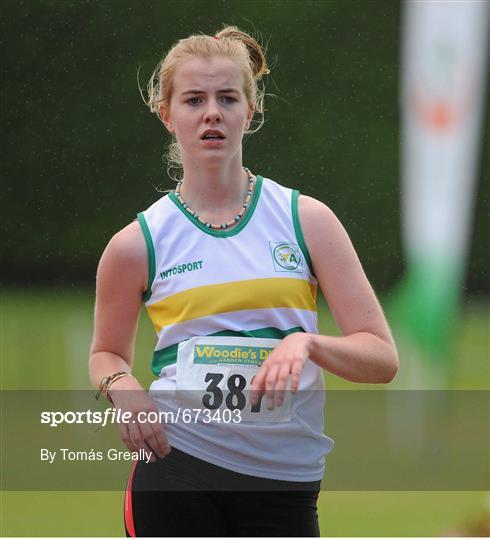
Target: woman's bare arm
point(366, 352)
point(121, 282)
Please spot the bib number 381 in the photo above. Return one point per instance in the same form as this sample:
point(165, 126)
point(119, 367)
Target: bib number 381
point(235, 397)
point(215, 373)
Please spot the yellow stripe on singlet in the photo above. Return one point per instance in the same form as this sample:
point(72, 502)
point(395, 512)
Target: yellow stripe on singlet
point(234, 296)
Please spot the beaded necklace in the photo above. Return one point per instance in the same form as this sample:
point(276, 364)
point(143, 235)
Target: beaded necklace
point(235, 220)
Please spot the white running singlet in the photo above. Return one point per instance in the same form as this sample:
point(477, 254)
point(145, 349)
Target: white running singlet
point(220, 301)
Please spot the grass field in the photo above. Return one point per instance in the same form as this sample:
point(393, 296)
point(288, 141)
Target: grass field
point(45, 336)
point(341, 513)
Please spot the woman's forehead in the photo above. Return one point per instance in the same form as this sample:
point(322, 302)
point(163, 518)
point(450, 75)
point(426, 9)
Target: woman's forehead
point(203, 73)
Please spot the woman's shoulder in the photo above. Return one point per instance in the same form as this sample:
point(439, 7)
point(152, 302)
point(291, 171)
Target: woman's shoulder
point(320, 225)
point(128, 245)
point(313, 209)
point(123, 266)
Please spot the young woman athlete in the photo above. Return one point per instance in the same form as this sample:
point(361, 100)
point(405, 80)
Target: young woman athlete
point(228, 266)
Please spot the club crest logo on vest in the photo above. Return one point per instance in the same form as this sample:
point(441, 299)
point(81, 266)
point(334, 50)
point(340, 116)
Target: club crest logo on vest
point(286, 257)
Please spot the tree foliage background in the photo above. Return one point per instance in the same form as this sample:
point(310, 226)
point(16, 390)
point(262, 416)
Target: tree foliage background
point(82, 153)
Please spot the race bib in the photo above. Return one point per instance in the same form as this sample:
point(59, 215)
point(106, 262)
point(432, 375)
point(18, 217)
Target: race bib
point(215, 373)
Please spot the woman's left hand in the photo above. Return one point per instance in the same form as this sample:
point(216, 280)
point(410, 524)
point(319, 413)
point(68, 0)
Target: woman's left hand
point(286, 360)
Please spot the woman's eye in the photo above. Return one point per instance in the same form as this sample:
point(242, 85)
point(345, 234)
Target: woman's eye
point(223, 99)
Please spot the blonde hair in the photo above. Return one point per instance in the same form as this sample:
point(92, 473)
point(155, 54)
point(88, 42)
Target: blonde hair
point(230, 42)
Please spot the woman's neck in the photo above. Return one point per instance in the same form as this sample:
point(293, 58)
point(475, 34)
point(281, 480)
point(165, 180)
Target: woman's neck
point(214, 191)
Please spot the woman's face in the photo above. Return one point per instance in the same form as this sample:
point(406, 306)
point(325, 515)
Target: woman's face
point(208, 109)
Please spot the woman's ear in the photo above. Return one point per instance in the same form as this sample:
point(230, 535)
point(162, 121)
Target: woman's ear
point(250, 115)
point(165, 118)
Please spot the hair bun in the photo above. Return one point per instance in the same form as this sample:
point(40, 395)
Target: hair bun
point(256, 54)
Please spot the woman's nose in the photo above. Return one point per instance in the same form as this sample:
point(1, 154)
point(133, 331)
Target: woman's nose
point(212, 113)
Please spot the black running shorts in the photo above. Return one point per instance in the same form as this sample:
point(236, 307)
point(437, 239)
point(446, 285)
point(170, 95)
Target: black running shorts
point(181, 495)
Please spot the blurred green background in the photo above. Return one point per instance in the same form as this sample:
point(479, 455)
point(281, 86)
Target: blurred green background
point(82, 155)
point(83, 152)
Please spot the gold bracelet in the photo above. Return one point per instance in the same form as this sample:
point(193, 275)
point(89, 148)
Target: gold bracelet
point(120, 376)
point(107, 381)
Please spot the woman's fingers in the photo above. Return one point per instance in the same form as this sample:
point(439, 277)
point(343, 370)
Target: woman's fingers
point(154, 436)
point(124, 433)
point(144, 430)
point(138, 439)
point(296, 370)
point(257, 386)
point(281, 385)
point(272, 379)
point(148, 436)
point(270, 384)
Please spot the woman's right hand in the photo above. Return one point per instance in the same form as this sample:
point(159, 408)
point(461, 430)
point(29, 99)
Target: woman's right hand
point(128, 395)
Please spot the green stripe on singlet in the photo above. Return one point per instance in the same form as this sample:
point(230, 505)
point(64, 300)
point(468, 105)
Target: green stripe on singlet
point(166, 357)
point(299, 231)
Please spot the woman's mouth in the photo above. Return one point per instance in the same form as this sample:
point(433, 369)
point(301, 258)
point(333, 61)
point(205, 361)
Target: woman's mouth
point(213, 140)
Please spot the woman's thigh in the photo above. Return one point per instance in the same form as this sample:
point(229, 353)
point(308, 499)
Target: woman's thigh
point(184, 496)
point(235, 514)
point(176, 513)
point(270, 513)
point(165, 499)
